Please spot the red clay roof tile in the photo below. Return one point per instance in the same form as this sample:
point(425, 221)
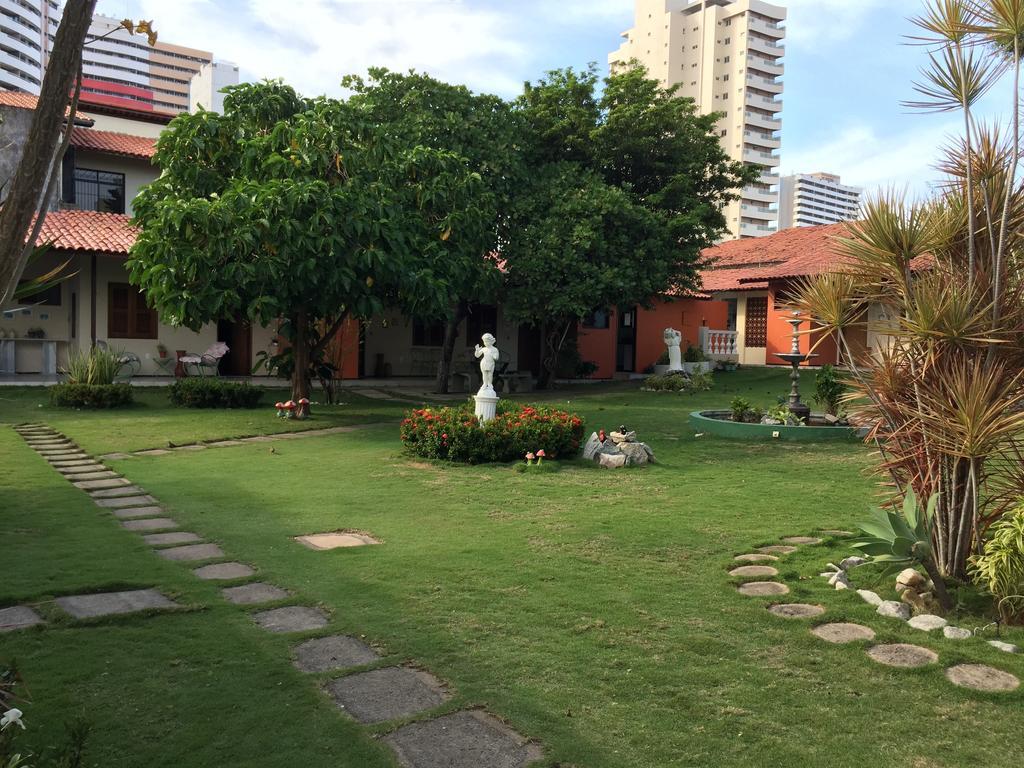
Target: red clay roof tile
point(88, 231)
point(111, 143)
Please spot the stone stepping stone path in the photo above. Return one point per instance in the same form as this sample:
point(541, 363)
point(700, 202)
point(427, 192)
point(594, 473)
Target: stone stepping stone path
point(466, 739)
point(462, 740)
point(800, 540)
point(903, 655)
point(758, 571)
point(387, 694)
point(763, 589)
point(224, 572)
point(299, 435)
point(18, 617)
point(336, 540)
point(111, 603)
point(796, 610)
point(777, 549)
point(980, 677)
point(755, 558)
point(333, 653)
point(191, 553)
point(291, 618)
point(841, 633)
point(254, 593)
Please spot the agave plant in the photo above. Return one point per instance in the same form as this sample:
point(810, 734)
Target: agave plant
point(904, 537)
point(943, 386)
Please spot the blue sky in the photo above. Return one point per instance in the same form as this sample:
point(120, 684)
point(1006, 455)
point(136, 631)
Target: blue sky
point(847, 64)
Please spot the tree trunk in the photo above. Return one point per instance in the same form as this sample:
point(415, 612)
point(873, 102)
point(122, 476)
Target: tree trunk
point(545, 374)
point(30, 178)
point(451, 335)
point(300, 357)
point(552, 339)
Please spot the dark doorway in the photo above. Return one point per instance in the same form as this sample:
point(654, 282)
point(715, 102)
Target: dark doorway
point(625, 347)
point(238, 336)
point(529, 349)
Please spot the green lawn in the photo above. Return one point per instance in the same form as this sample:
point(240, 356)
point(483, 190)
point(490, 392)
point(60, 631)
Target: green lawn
point(591, 609)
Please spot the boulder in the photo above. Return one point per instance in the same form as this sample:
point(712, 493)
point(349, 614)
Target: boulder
point(927, 622)
point(893, 610)
point(612, 460)
point(840, 580)
point(869, 597)
point(637, 454)
point(956, 633)
point(920, 602)
point(623, 437)
point(1004, 647)
point(911, 578)
point(852, 562)
point(592, 448)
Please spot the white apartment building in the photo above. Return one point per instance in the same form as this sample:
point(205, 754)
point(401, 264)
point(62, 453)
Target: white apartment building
point(727, 56)
point(118, 67)
point(809, 199)
point(205, 88)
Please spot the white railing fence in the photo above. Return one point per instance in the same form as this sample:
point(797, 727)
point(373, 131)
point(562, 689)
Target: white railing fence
point(718, 344)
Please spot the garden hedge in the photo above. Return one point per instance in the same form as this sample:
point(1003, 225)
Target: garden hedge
point(91, 395)
point(214, 393)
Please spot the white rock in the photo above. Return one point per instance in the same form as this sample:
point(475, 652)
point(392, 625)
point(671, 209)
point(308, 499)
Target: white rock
point(956, 633)
point(840, 577)
point(613, 461)
point(927, 622)
point(911, 578)
point(1005, 647)
point(592, 447)
point(833, 566)
point(842, 585)
point(827, 574)
point(870, 597)
point(852, 562)
point(894, 610)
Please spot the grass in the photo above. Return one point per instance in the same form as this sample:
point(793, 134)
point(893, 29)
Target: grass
point(591, 609)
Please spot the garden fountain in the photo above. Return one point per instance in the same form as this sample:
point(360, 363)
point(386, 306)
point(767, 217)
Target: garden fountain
point(795, 357)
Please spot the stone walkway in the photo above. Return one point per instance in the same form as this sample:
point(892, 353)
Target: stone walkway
point(369, 694)
point(300, 435)
point(979, 677)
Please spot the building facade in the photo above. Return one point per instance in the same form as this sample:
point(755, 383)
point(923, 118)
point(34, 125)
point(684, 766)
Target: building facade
point(727, 56)
point(811, 199)
point(117, 67)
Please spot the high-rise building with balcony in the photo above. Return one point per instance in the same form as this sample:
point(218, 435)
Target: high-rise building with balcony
point(809, 199)
point(727, 56)
point(117, 68)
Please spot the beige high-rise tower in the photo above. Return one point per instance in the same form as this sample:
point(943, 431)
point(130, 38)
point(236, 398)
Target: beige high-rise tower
point(726, 56)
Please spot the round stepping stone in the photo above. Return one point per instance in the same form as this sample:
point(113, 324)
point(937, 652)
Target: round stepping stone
point(957, 633)
point(801, 540)
point(762, 588)
point(757, 571)
point(999, 645)
point(462, 740)
point(796, 610)
point(902, 655)
point(175, 537)
point(224, 571)
point(291, 618)
point(980, 677)
point(777, 549)
point(336, 540)
point(926, 622)
point(18, 617)
point(842, 632)
point(191, 552)
point(149, 524)
point(387, 694)
point(755, 558)
point(324, 654)
point(252, 594)
point(109, 603)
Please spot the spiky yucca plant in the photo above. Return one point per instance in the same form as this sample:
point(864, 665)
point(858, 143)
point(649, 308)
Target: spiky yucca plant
point(944, 392)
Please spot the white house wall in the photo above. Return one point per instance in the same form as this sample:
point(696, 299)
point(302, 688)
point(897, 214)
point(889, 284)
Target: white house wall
point(137, 173)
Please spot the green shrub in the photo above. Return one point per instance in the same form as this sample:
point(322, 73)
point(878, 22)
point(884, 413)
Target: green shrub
point(740, 408)
point(679, 382)
point(1000, 567)
point(829, 390)
point(214, 393)
point(96, 366)
point(694, 355)
point(455, 434)
point(91, 395)
point(662, 358)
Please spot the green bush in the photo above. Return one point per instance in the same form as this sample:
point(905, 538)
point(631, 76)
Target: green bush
point(90, 395)
point(740, 408)
point(214, 393)
point(455, 434)
point(694, 355)
point(96, 366)
point(679, 382)
point(829, 390)
point(1000, 567)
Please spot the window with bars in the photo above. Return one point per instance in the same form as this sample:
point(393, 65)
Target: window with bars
point(757, 322)
point(128, 316)
point(99, 190)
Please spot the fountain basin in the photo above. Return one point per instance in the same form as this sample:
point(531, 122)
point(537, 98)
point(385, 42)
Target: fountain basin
point(720, 424)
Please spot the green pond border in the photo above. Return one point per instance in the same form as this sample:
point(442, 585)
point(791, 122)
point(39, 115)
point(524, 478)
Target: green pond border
point(704, 421)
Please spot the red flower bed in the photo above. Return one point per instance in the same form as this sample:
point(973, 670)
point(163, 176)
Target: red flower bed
point(455, 434)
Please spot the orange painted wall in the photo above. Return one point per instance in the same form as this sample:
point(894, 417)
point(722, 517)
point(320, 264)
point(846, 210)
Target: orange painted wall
point(685, 315)
point(780, 336)
point(598, 346)
point(347, 355)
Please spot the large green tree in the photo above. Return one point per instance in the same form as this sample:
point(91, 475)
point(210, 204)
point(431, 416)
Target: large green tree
point(479, 127)
point(298, 210)
point(624, 189)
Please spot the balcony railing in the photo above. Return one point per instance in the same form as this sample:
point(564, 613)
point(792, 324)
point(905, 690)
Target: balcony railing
point(718, 344)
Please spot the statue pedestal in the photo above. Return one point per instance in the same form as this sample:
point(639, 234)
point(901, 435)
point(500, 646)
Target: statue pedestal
point(486, 404)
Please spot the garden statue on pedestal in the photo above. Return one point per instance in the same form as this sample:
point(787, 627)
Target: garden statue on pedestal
point(486, 399)
point(673, 338)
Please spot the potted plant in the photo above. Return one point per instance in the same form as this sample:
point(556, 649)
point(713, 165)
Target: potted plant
point(694, 361)
point(661, 366)
point(161, 350)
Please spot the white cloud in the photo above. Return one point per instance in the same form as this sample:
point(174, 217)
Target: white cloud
point(866, 158)
point(822, 22)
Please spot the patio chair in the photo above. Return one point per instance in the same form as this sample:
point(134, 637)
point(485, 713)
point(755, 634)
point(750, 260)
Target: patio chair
point(206, 362)
point(130, 363)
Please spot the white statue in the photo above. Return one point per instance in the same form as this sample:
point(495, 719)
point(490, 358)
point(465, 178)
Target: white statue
point(488, 355)
point(672, 340)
